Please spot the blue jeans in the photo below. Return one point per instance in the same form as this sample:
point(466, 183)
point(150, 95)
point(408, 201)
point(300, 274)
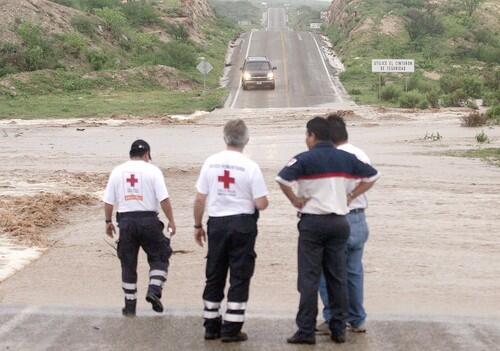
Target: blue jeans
point(355, 245)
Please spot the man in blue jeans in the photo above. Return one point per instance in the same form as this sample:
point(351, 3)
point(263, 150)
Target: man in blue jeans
point(355, 244)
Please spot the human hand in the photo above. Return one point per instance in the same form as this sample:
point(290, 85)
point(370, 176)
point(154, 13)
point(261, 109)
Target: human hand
point(172, 229)
point(299, 202)
point(110, 229)
point(200, 236)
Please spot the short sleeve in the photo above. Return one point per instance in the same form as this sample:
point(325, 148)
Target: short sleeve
point(259, 188)
point(202, 185)
point(363, 170)
point(291, 172)
point(160, 186)
point(110, 192)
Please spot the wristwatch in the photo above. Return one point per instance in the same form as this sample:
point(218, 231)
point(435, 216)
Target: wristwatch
point(199, 226)
point(108, 221)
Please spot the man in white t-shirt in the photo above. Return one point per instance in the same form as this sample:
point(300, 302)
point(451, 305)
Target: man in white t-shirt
point(357, 238)
point(232, 188)
point(137, 189)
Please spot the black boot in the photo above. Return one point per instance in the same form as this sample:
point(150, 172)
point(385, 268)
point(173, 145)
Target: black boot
point(299, 338)
point(212, 328)
point(155, 302)
point(129, 309)
point(235, 338)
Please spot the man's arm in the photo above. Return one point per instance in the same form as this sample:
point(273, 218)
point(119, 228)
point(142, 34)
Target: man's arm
point(108, 214)
point(361, 188)
point(199, 208)
point(166, 206)
point(297, 202)
point(261, 203)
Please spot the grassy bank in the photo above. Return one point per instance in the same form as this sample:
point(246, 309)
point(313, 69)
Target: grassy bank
point(490, 155)
point(118, 58)
point(456, 52)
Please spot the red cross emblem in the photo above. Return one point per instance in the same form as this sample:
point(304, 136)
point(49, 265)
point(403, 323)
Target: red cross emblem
point(226, 179)
point(132, 180)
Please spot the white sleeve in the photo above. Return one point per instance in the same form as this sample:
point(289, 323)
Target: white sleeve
point(202, 185)
point(160, 187)
point(259, 188)
point(110, 192)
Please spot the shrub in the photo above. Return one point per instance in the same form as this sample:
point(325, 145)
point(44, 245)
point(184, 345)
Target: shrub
point(390, 93)
point(114, 20)
point(34, 58)
point(482, 137)
point(178, 55)
point(412, 99)
point(84, 25)
point(474, 119)
point(491, 98)
point(355, 91)
point(455, 99)
point(472, 86)
point(140, 13)
point(450, 82)
point(494, 113)
point(73, 43)
point(488, 53)
point(177, 31)
point(31, 34)
point(97, 59)
point(141, 42)
point(433, 98)
point(99, 4)
point(422, 23)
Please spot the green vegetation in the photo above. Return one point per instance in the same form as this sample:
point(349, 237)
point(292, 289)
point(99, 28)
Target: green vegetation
point(455, 44)
point(238, 12)
point(490, 155)
point(482, 138)
point(115, 49)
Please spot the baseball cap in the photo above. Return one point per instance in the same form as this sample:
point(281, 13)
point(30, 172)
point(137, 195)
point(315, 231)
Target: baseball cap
point(139, 146)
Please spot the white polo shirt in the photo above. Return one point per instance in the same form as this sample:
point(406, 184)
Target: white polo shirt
point(362, 200)
point(231, 182)
point(136, 185)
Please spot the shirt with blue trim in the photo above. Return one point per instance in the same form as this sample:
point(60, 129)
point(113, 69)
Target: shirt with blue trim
point(322, 174)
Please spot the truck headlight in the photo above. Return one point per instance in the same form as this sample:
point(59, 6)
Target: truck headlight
point(247, 76)
point(270, 75)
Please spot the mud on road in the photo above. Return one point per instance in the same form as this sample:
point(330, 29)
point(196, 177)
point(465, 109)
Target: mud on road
point(433, 247)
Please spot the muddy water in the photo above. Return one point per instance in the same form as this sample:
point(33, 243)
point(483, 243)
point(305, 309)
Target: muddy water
point(433, 247)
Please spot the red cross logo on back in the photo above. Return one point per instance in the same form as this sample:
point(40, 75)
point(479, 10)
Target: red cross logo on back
point(226, 179)
point(132, 180)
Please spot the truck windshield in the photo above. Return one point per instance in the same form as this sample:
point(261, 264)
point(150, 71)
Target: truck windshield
point(258, 66)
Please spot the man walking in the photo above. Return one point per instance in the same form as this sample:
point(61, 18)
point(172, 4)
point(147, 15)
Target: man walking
point(358, 202)
point(232, 188)
point(136, 188)
point(321, 199)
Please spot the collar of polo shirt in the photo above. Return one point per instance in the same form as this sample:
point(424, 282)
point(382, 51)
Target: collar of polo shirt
point(324, 144)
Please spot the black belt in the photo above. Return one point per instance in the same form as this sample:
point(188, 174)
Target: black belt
point(357, 210)
point(136, 214)
point(300, 215)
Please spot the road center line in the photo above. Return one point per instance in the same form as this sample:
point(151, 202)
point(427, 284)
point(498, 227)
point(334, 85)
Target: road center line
point(334, 88)
point(239, 83)
point(285, 68)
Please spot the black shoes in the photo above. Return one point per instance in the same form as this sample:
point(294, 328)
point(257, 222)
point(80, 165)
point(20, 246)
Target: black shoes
point(299, 338)
point(338, 338)
point(129, 309)
point(212, 336)
point(155, 302)
point(235, 338)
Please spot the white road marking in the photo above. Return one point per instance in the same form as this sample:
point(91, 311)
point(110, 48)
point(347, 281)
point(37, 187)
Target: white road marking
point(239, 85)
point(268, 20)
point(298, 35)
point(334, 88)
point(17, 319)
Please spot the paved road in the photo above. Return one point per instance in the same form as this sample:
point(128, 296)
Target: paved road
point(77, 330)
point(303, 79)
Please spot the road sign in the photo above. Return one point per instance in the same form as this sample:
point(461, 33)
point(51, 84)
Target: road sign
point(393, 66)
point(315, 25)
point(204, 67)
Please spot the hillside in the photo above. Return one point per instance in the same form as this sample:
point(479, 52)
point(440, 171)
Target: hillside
point(68, 47)
point(456, 50)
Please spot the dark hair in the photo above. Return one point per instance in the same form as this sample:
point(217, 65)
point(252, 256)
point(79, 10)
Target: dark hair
point(338, 129)
point(320, 128)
